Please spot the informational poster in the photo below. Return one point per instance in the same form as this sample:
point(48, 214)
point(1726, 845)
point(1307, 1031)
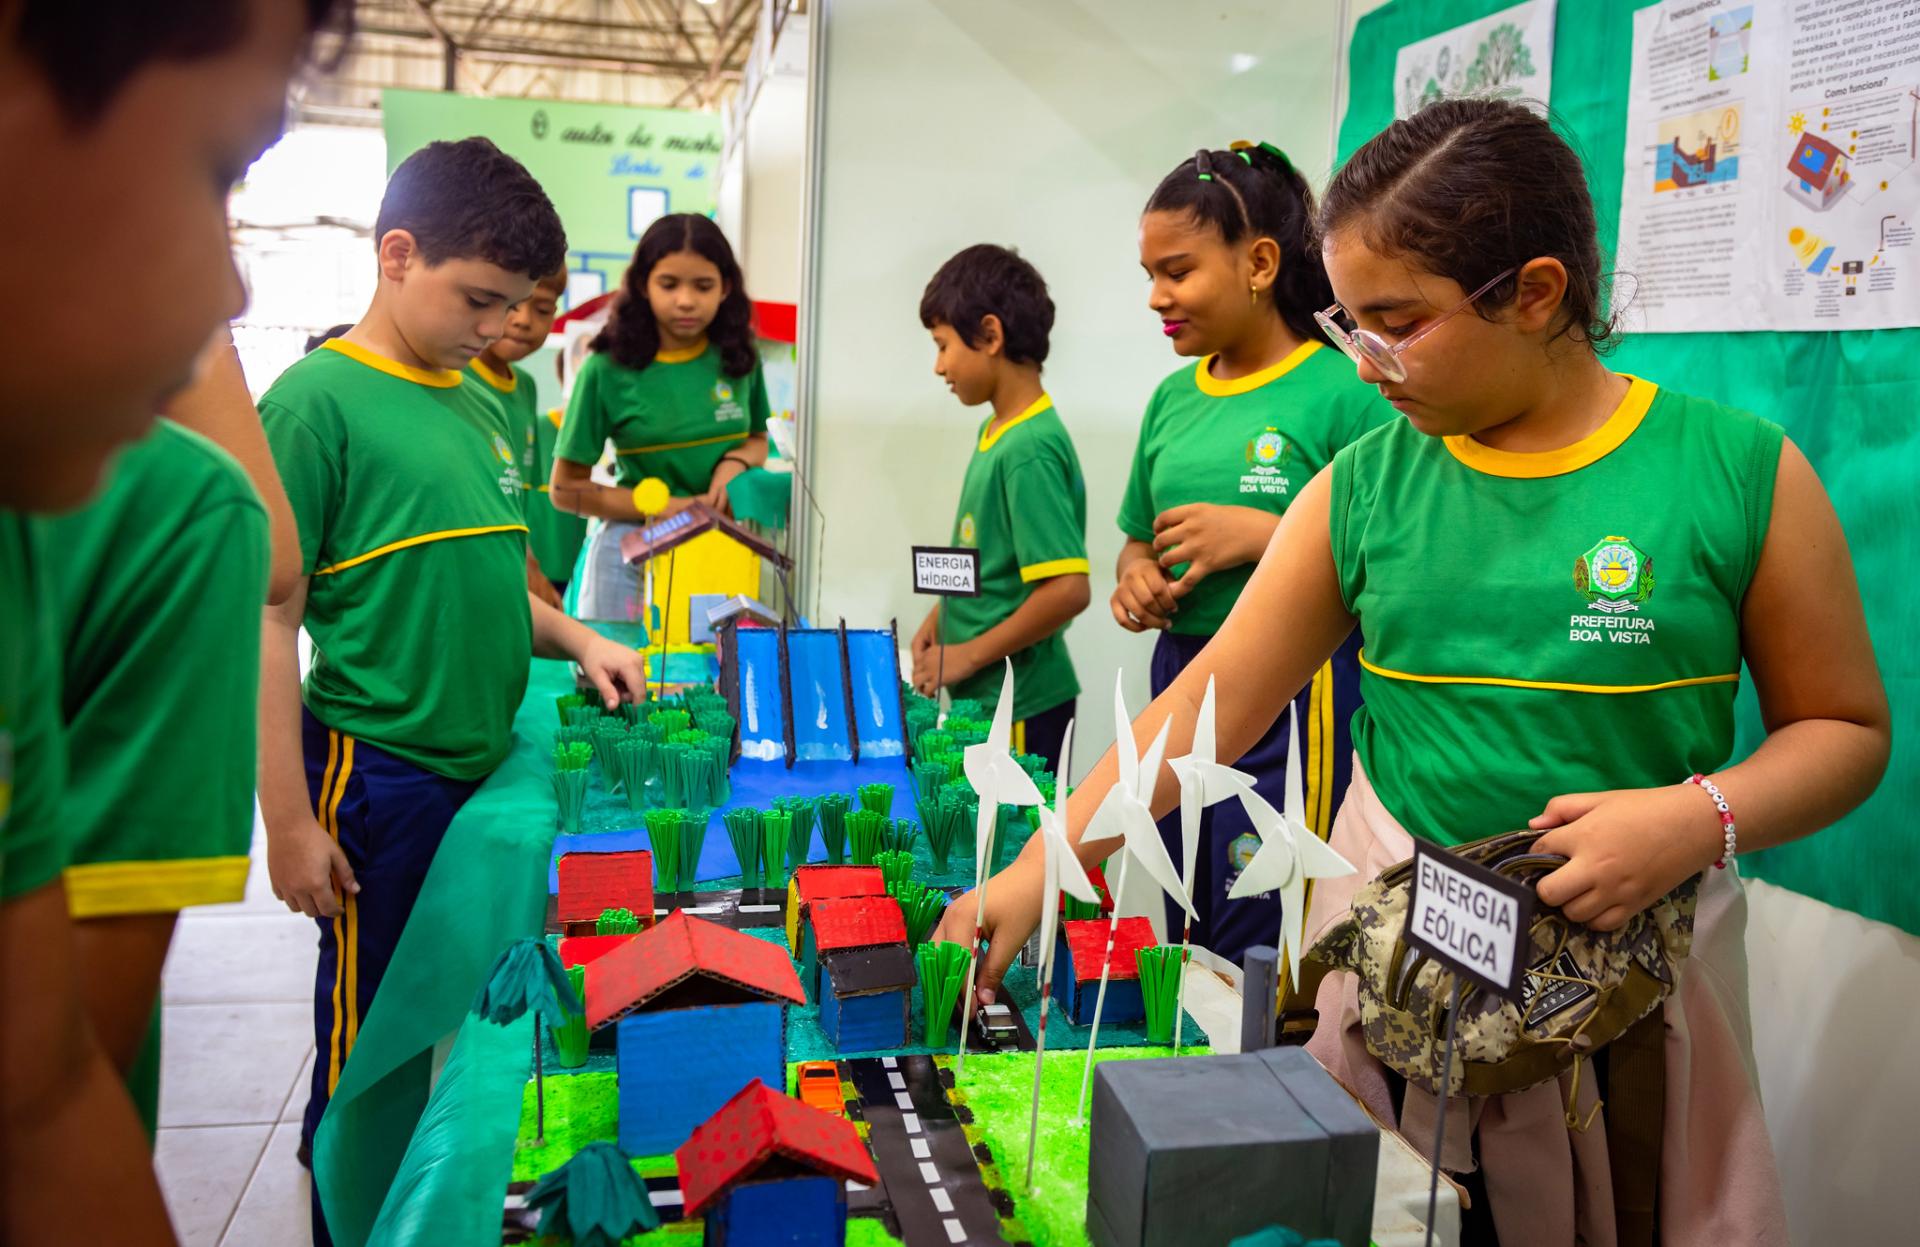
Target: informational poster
point(611, 170)
point(1772, 166)
point(1508, 54)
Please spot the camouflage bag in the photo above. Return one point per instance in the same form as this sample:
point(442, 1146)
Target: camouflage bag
point(1584, 988)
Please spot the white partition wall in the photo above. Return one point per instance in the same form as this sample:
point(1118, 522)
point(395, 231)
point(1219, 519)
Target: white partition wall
point(941, 123)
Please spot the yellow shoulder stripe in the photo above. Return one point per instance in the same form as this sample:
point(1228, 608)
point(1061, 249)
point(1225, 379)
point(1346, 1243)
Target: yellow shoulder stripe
point(1054, 567)
point(1547, 685)
point(406, 542)
point(102, 889)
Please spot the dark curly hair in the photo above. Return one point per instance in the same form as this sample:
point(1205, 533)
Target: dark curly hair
point(1441, 187)
point(468, 200)
point(985, 280)
point(632, 335)
point(1256, 192)
point(89, 51)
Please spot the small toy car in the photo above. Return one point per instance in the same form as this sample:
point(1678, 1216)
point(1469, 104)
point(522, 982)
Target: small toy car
point(820, 1087)
point(995, 1023)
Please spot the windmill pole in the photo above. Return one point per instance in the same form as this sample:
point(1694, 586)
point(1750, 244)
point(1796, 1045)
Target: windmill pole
point(1039, 1056)
point(1106, 968)
point(539, 1089)
point(980, 878)
point(1180, 992)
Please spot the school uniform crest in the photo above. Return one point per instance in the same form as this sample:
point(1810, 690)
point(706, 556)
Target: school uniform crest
point(1615, 576)
point(967, 531)
point(1269, 450)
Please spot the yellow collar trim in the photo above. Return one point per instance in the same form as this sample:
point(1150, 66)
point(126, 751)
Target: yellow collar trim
point(1214, 387)
point(438, 378)
point(506, 385)
point(1590, 449)
point(557, 416)
point(1552, 686)
point(1043, 403)
point(681, 357)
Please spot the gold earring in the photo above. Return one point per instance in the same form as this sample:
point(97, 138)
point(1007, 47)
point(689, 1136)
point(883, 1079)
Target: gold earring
point(1253, 293)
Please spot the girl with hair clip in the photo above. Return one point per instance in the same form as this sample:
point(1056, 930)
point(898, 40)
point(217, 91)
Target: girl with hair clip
point(1226, 444)
point(1493, 549)
point(674, 381)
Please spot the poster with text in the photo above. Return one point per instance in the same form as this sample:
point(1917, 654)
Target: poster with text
point(1772, 166)
point(1508, 54)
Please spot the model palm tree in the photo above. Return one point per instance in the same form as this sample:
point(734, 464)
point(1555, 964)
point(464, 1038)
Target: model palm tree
point(528, 978)
point(594, 1200)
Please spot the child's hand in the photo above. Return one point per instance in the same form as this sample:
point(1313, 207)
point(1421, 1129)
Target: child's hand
point(307, 869)
point(1209, 538)
point(923, 636)
point(1013, 910)
point(1143, 598)
point(716, 495)
point(931, 671)
point(618, 671)
point(1626, 849)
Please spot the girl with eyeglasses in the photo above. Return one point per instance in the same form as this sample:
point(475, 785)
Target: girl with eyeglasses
point(1227, 443)
point(1557, 573)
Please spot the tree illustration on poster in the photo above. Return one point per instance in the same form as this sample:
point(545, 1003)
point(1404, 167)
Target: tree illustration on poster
point(610, 170)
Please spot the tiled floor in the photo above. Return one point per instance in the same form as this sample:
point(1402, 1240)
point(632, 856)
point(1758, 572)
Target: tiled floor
point(235, 1059)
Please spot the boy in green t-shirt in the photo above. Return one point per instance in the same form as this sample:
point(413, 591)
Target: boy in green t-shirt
point(401, 469)
point(167, 105)
point(1023, 504)
point(553, 536)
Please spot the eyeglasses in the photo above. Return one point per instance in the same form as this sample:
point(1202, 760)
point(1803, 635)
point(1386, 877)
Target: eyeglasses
point(1363, 345)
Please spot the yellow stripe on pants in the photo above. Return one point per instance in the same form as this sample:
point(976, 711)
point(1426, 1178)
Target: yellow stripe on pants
point(343, 969)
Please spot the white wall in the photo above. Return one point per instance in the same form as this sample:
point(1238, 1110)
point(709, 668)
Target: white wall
point(764, 180)
point(950, 122)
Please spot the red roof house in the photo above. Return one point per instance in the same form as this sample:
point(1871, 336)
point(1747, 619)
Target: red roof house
point(856, 922)
point(592, 882)
point(761, 1130)
point(814, 883)
point(685, 961)
point(1076, 968)
point(582, 950)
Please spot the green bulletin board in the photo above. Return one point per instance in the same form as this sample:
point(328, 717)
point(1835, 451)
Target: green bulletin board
point(1847, 399)
point(609, 169)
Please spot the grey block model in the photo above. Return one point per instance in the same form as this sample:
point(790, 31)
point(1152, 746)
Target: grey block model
point(1199, 1150)
point(1259, 997)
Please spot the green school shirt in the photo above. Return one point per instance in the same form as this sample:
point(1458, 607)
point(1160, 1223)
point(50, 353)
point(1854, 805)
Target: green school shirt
point(407, 489)
point(32, 751)
point(1251, 442)
point(554, 536)
point(158, 603)
point(1023, 505)
point(1537, 624)
point(673, 419)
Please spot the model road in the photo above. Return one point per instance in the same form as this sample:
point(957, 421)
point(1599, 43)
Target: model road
point(932, 1179)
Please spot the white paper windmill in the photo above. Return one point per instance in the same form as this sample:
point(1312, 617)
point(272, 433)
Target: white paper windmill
point(1289, 854)
point(1062, 871)
point(1204, 781)
point(1126, 813)
point(997, 780)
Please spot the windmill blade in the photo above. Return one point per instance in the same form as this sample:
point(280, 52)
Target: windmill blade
point(1273, 866)
point(1296, 800)
point(1001, 735)
point(1106, 823)
point(1203, 727)
point(1148, 775)
point(1292, 921)
point(1071, 877)
point(1193, 799)
point(1125, 753)
point(1319, 860)
point(1147, 848)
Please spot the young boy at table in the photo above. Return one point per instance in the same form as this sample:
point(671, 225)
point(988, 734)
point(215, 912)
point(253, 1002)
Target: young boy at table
point(403, 477)
point(553, 536)
point(1023, 503)
point(124, 240)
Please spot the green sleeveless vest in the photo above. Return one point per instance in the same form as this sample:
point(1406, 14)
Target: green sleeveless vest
point(1536, 624)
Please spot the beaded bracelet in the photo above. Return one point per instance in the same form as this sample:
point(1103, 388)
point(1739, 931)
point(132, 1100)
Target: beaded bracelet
point(1726, 818)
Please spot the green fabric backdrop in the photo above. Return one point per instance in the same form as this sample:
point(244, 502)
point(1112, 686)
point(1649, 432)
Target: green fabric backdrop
point(1846, 399)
